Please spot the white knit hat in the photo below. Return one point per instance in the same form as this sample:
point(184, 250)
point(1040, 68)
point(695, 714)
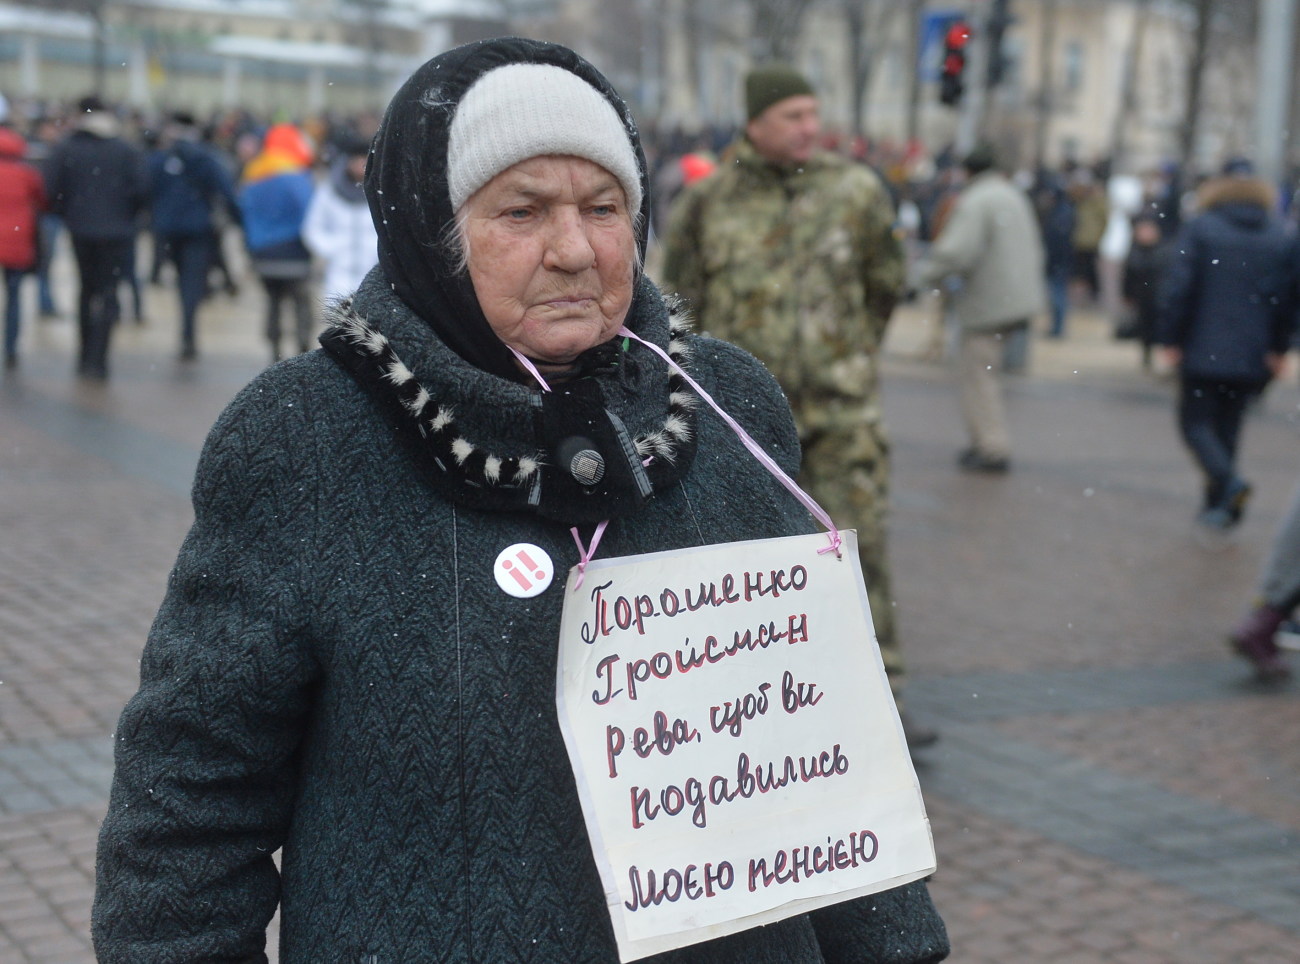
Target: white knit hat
point(520, 111)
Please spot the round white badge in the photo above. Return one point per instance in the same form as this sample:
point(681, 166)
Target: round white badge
point(523, 570)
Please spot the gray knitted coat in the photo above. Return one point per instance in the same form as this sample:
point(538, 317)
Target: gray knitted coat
point(335, 674)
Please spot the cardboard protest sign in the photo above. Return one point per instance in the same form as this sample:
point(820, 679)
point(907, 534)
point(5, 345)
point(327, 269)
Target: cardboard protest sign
point(735, 743)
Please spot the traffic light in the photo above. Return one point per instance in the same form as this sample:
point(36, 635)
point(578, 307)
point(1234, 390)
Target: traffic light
point(999, 20)
point(952, 77)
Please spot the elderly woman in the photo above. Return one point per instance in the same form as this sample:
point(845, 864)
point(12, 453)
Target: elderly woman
point(335, 672)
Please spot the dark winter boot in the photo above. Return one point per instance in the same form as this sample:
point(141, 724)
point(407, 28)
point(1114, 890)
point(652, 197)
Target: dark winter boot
point(1235, 497)
point(1253, 639)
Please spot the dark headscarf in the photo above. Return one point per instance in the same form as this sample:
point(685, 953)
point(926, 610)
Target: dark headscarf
point(406, 185)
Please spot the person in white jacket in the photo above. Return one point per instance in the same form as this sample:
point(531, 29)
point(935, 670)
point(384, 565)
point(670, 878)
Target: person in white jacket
point(338, 227)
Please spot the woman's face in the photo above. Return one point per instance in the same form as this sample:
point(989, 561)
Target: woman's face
point(551, 256)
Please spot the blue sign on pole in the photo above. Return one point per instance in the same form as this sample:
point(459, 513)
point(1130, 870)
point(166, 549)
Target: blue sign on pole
point(929, 54)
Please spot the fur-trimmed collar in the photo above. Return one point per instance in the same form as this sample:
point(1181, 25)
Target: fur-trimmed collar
point(1220, 191)
point(495, 444)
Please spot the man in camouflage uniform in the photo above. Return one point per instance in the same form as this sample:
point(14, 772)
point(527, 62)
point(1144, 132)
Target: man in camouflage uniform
point(791, 254)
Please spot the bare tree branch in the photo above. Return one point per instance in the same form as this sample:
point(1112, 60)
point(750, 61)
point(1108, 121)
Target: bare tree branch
point(868, 23)
point(776, 27)
point(1196, 62)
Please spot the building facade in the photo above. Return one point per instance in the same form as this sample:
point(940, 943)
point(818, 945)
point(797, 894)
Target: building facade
point(293, 57)
point(1083, 79)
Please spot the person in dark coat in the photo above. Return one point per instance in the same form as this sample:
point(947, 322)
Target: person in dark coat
point(1227, 314)
point(187, 182)
point(335, 672)
point(1056, 219)
point(1143, 269)
point(98, 184)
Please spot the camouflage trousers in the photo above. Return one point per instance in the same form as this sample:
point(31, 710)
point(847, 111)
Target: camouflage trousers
point(847, 472)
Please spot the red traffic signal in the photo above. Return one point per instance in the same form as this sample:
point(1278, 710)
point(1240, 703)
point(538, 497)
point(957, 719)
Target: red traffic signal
point(951, 79)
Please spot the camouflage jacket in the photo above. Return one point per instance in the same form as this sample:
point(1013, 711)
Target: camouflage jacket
point(799, 267)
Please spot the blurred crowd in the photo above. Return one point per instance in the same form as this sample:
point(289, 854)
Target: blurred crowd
point(157, 198)
point(1104, 233)
point(1102, 229)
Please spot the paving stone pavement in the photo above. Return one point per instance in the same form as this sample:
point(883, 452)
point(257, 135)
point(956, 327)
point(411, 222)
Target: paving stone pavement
point(1110, 785)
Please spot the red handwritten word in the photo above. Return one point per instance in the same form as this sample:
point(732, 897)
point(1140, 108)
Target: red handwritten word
point(662, 665)
point(751, 778)
point(673, 884)
point(732, 716)
point(795, 696)
point(665, 739)
point(624, 613)
point(799, 863)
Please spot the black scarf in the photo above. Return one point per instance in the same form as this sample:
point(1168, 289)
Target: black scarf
point(495, 445)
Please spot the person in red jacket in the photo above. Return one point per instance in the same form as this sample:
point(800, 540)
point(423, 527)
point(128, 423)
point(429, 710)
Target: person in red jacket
point(22, 198)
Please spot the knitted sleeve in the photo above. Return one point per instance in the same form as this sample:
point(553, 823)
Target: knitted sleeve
point(900, 926)
point(204, 776)
point(750, 394)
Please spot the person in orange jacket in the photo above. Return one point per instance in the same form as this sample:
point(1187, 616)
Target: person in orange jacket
point(275, 190)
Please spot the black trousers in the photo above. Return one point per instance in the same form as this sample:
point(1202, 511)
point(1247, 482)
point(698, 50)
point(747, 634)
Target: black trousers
point(101, 265)
point(1210, 415)
point(297, 293)
point(192, 256)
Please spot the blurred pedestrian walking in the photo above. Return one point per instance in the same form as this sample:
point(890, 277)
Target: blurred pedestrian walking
point(338, 227)
point(1056, 218)
point(98, 184)
point(22, 198)
point(45, 134)
point(1124, 197)
point(1227, 316)
point(1092, 211)
point(275, 189)
point(1143, 272)
point(790, 253)
point(992, 243)
point(187, 184)
point(1255, 637)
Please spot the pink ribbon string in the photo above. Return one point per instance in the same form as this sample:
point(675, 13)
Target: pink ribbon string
point(585, 553)
point(530, 368)
point(820, 514)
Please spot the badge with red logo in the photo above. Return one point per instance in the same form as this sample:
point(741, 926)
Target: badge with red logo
point(523, 570)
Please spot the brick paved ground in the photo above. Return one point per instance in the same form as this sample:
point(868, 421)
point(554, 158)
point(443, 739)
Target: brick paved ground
point(1110, 785)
